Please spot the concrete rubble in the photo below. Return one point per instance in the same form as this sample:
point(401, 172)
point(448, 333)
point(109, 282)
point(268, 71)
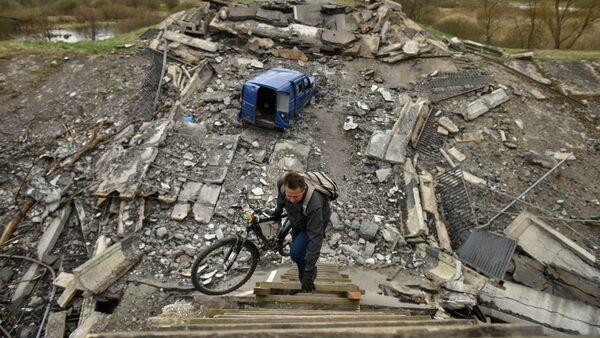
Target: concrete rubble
point(137, 196)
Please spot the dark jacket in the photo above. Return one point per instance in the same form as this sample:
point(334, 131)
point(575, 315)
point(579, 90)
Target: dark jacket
point(318, 213)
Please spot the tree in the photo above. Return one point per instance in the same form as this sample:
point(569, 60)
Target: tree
point(532, 12)
point(414, 9)
point(567, 20)
point(490, 10)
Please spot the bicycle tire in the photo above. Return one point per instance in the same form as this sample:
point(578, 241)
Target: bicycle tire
point(231, 241)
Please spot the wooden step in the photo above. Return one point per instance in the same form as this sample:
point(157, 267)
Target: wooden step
point(257, 325)
point(283, 319)
point(426, 331)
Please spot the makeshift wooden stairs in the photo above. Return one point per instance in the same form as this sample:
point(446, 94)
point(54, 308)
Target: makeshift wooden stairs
point(324, 313)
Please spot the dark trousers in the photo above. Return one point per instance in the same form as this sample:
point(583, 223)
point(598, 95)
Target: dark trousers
point(298, 250)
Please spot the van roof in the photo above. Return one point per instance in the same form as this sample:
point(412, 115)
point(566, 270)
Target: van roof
point(276, 78)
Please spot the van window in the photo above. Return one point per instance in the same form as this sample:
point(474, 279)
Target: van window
point(283, 102)
point(306, 83)
point(298, 87)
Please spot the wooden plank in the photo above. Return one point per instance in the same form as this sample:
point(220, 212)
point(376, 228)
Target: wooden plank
point(306, 300)
point(354, 295)
point(262, 291)
point(318, 287)
point(310, 325)
point(348, 332)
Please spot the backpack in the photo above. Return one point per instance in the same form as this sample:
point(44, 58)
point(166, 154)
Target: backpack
point(319, 181)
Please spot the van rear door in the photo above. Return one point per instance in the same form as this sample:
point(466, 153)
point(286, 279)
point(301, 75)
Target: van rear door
point(248, 110)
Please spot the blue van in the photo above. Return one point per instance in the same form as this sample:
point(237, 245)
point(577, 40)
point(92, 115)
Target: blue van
point(272, 98)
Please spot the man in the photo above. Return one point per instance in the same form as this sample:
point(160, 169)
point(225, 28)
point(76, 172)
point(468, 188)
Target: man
point(308, 226)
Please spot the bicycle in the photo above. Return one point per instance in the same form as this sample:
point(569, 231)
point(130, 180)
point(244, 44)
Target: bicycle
point(229, 259)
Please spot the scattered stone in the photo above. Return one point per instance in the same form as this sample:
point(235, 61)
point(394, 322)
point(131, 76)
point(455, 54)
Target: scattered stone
point(369, 249)
point(335, 221)
point(258, 191)
point(541, 160)
point(349, 124)
point(537, 94)
point(368, 229)
point(442, 131)
point(383, 174)
point(448, 124)
point(411, 47)
point(350, 251)
point(475, 136)
point(456, 154)
point(161, 232)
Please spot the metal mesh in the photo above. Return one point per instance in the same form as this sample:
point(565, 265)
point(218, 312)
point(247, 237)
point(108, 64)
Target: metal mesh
point(456, 205)
point(448, 85)
point(488, 253)
point(430, 141)
point(149, 91)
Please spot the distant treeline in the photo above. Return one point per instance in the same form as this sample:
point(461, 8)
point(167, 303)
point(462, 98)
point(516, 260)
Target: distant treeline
point(19, 16)
point(541, 24)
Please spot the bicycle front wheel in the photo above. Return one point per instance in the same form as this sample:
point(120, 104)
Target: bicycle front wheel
point(224, 266)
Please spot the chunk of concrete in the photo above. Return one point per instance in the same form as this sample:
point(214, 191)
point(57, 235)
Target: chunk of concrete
point(495, 98)
point(470, 178)
point(338, 38)
point(240, 12)
point(96, 321)
point(308, 14)
point(475, 136)
point(368, 229)
point(456, 154)
point(369, 44)
point(403, 131)
point(476, 109)
point(50, 236)
point(26, 283)
point(369, 249)
point(378, 144)
point(448, 124)
point(550, 247)
point(190, 41)
point(180, 211)
point(543, 308)
point(101, 271)
point(415, 223)
point(63, 279)
point(383, 174)
point(411, 47)
point(189, 191)
point(56, 325)
point(205, 205)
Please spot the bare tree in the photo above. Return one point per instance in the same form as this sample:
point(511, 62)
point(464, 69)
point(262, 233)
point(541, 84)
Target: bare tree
point(569, 19)
point(532, 13)
point(414, 9)
point(490, 10)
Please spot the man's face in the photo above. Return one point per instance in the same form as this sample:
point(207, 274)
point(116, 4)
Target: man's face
point(294, 195)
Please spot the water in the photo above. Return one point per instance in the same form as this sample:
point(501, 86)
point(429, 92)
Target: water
point(70, 35)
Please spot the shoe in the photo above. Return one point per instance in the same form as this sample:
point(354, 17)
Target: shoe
point(294, 292)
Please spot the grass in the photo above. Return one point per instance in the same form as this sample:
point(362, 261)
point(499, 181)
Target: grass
point(15, 47)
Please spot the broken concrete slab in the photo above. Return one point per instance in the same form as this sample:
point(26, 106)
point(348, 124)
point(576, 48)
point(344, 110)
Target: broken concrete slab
point(470, 178)
point(26, 283)
point(190, 41)
point(241, 12)
point(429, 203)
point(198, 82)
point(403, 131)
point(378, 144)
point(180, 211)
point(485, 103)
point(308, 14)
point(415, 223)
point(205, 205)
point(543, 308)
point(475, 136)
point(272, 17)
point(383, 174)
point(456, 154)
point(288, 155)
point(338, 38)
point(95, 322)
point(101, 271)
point(369, 44)
point(411, 48)
point(63, 279)
point(448, 124)
point(56, 325)
point(50, 236)
point(550, 247)
point(189, 191)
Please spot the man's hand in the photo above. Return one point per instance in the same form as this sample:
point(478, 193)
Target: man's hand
point(308, 281)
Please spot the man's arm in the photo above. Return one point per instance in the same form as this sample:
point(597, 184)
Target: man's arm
point(314, 230)
point(280, 200)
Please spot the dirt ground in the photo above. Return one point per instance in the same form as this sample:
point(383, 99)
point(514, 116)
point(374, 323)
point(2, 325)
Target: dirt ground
point(46, 102)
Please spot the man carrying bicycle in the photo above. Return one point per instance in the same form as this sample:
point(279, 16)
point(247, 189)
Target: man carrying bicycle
point(309, 212)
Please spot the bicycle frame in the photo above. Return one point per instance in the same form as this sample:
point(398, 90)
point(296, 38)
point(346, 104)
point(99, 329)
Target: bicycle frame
point(254, 226)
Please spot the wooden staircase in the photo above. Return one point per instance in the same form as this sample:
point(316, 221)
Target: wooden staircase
point(279, 314)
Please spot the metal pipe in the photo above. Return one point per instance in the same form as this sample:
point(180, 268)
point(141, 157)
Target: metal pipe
point(39, 333)
point(525, 192)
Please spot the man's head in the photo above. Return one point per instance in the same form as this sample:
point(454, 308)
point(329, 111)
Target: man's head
point(294, 187)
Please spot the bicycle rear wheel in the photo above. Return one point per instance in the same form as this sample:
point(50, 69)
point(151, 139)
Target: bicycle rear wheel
point(224, 266)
